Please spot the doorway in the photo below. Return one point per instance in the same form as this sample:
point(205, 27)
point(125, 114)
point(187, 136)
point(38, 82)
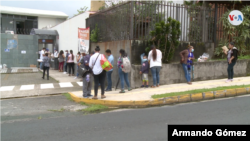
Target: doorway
point(20, 27)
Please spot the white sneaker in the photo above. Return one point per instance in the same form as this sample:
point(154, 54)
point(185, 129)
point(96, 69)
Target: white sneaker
point(75, 78)
point(231, 80)
point(228, 81)
point(64, 72)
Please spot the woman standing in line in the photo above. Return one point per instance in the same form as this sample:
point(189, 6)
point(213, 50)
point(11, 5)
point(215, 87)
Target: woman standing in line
point(46, 65)
point(61, 60)
point(185, 60)
point(123, 76)
point(155, 62)
point(71, 63)
point(232, 56)
point(99, 73)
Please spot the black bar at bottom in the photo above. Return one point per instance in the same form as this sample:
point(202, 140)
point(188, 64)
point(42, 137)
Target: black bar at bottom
point(214, 132)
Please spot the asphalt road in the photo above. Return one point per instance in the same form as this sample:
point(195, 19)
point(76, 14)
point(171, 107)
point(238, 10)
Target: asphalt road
point(149, 124)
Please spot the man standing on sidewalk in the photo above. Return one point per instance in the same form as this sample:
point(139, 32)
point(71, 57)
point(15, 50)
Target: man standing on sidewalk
point(56, 60)
point(42, 52)
point(88, 78)
point(111, 60)
point(65, 63)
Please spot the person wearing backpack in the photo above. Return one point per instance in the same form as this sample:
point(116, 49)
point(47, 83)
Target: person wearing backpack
point(124, 67)
point(98, 72)
point(155, 62)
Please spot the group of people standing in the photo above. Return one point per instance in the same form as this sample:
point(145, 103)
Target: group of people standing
point(95, 72)
point(153, 61)
point(187, 58)
point(61, 62)
point(98, 75)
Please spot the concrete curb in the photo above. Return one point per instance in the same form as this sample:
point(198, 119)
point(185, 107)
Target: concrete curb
point(168, 100)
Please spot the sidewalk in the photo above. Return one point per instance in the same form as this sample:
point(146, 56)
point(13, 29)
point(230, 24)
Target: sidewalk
point(146, 93)
point(26, 85)
point(61, 77)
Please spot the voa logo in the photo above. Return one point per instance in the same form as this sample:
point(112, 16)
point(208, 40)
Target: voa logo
point(235, 17)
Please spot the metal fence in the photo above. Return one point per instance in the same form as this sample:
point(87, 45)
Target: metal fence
point(134, 21)
point(24, 31)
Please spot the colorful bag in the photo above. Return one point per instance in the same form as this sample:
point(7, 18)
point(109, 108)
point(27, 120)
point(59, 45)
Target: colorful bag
point(106, 65)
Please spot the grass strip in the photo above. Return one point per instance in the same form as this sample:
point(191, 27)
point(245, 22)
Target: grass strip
point(197, 91)
point(68, 96)
point(95, 108)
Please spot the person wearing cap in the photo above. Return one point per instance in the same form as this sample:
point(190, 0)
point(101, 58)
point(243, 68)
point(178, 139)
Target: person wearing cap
point(98, 72)
point(155, 62)
point(56, 60)
point(65, 62)
point(87, 80)
point(232, 56)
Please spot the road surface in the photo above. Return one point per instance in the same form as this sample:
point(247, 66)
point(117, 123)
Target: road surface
point(149, 124)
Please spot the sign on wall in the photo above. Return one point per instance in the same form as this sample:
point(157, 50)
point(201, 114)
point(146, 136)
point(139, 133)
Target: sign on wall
point(23, 52)
point(6, 50)
point(11, 44)
point(235, 17)
point(83, 39)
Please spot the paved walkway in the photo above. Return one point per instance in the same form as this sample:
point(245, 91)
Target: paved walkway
point(43, 87)
point(146, 93)
point(61, 77)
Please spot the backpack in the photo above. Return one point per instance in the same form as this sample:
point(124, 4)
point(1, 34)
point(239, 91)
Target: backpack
point(106, 65)
point(126, 65)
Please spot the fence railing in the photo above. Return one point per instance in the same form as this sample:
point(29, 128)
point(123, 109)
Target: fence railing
point(24, 31)
point(135, 20)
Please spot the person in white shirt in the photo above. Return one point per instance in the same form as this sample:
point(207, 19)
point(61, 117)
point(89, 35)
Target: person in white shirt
point(155, 61)
point(56, 60)
point(98, 72)
point(41, 57)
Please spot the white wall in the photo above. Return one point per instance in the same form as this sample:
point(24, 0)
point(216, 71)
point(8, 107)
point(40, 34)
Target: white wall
point(45, 21)
point(68, 32)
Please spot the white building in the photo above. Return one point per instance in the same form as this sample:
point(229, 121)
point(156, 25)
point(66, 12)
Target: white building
point(22, 19)
point(68, 32)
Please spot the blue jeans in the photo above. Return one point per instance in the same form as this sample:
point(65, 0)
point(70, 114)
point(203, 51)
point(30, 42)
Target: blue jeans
point(230, 70)
point(77, 73)
point(187, 74)
point(155, 73)
point(123, 76)
point(109, 80)
point(41, 64)
point(65, 66)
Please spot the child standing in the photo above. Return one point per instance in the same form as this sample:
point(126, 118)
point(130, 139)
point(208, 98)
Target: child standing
point(144, 70)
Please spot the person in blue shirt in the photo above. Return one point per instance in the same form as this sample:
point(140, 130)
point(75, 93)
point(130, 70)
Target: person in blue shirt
point(111, 60)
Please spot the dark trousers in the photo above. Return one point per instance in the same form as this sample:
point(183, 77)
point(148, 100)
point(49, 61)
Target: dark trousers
point(44, 69)
point(109, 80)
point(230, 70)
point(99, 79)
point(71, 66)
point(65, 66)
point(56, 63)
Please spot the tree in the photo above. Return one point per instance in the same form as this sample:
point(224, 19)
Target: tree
point(166, 38)
point(235, 1)
point(81, 10)
point(241, 33)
